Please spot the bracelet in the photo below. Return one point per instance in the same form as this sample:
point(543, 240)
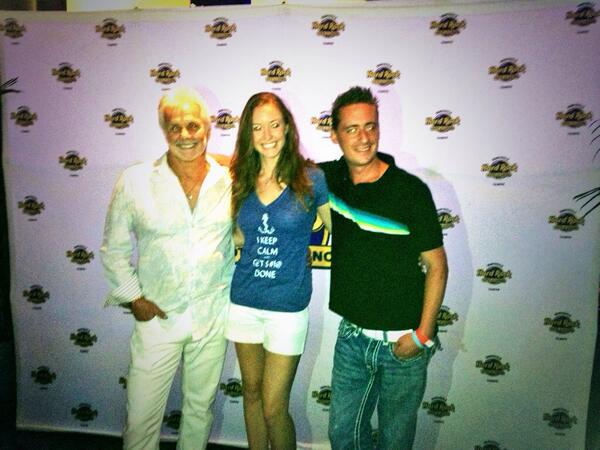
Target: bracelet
point(423, 340)
point(416, 340)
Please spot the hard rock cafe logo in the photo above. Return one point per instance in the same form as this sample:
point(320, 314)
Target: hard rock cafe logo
point(72, 161)
point(165, 74)
point(492, 366)
point(446, 317)
point(12, 29)
point(23, 117)
point(83, 338)
point(221, 29)
point(584, 15)
point(42, 375)
point(84, 412)
point(31, 206)
point(65, 73)
point(507, 70)
point(489, 445)
point(448, 25)
point(560, 419)
point(36, 294)
point(80, 255)
point(328, 27)
point(224, 120)
point(383, 75)
point(561, 323)
point(446, 219)
point(566, 221)
point(320, 245)
point(442, 122)
point(574, 117)
point(110, 29)
point(233, 388)
point(439, 407)
point(323, 395)
point(323, 122)
point(276, 72)
point(499, 168)
point(494, 273)
point(173, 419)
point(118, 118)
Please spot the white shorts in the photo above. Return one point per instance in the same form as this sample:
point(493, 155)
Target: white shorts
point(279, 332)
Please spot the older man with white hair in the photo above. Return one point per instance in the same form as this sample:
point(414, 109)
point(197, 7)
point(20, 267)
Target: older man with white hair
point(176, 212)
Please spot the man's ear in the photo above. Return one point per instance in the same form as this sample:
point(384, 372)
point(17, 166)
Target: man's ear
point(333, 137)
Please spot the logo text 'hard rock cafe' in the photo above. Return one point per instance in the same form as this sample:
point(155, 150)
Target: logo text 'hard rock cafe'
point(574, 117)
point(439, 408)
point(43, 376)
point(442, 122)
point(84, 413)
point(23, 117)
point(165, 74)
point(560, 419)
point(508, 70)
point(80, 255)
point(276, 72)
point(84, 338)
point(500, 168)
point(322, 396)
point(494, 274)
point(173, 420)
point(232, 388)
point(492, 366)
point(448, 25)
point(118, 119)
point(561, 324)
point(220, 29)
point(36, 294)
point(65, 73)
point(71, 161)
point(489, 445)
point(12, 29)
point(383, 75)
point(446, 219)
point(224, 120)
point(31, 206)
point(583, 16)
point(323, 122)
point(328, 27)
point(566, 221)
point(446, 318)
point(110, 29)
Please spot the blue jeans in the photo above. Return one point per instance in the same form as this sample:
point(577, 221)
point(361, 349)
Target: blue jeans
point(366, 373)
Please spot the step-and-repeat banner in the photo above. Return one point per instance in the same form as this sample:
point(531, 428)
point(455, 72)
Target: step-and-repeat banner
point(495, 106)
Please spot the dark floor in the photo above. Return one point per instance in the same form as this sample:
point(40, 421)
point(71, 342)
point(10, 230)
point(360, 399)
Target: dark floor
point(30, 440)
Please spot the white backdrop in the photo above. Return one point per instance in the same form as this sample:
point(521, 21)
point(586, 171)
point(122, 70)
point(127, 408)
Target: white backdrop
point(492, 105)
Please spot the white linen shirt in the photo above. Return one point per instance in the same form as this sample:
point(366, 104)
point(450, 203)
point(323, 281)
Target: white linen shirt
point(185, 258)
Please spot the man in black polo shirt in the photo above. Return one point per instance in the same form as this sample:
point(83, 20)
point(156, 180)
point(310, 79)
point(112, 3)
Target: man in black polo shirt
point(388, 279)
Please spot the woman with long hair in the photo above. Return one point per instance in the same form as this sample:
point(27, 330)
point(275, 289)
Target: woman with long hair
point(276, 196)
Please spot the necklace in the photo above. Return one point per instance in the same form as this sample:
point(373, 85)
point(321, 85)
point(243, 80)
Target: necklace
point(190, 192)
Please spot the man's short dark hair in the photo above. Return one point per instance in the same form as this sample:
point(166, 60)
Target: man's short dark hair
point(356, 94)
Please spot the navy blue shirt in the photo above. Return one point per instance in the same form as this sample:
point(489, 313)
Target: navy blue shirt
point(273, 271)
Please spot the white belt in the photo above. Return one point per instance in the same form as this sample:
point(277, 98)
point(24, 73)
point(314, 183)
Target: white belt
point(385, 336)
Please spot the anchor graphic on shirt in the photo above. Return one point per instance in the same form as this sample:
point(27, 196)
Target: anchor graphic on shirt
point(265, 228)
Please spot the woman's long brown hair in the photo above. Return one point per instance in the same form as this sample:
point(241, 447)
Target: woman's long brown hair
point(291, 167)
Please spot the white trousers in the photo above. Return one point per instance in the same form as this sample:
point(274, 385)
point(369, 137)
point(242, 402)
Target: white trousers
point(155, 356)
